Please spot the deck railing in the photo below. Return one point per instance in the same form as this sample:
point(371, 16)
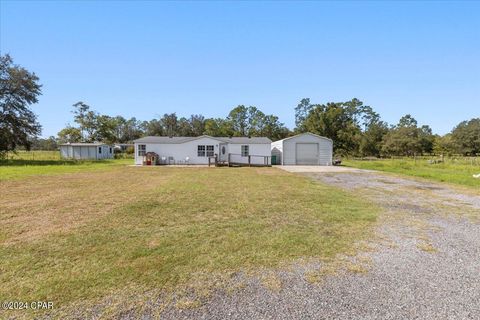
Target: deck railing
point(250, 160)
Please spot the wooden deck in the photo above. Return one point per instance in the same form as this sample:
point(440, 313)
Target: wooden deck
point(248, 163)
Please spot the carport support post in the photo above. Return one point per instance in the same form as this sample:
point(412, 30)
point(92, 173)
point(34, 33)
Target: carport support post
point(249, 161)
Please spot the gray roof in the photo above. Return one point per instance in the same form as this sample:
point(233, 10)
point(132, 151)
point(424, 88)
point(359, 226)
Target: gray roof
point(247, 140)
point(178, 140)
point(305, 133)
point(84, 144)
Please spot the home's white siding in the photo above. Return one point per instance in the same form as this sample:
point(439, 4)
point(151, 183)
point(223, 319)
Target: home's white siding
point(180, 151)
point(257, 152)
point(289, 149)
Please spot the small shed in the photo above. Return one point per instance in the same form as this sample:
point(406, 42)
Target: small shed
point(303, 149)
point(86, 151)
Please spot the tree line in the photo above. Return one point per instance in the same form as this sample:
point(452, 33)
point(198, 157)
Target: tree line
point(92, 126)
point(355, 128)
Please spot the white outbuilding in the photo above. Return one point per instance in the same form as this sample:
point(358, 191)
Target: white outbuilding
point(86, 151)
point(303, 149)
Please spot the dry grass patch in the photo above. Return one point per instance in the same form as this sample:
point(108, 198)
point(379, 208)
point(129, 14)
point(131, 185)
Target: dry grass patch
point(33, 209)
point(427, 247)
point(186, 303)
point(316, 276)
point(271, 281)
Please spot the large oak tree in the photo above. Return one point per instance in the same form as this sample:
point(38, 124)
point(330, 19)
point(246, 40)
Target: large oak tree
point(19, 89)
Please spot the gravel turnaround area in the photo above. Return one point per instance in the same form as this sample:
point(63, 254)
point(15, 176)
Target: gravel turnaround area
point(424, 263)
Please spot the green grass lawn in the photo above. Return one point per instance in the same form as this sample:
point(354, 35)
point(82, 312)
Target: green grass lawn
point(21, 168)
point(76, 241)
point(456, 173)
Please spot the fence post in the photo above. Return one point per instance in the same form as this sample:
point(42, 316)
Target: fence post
point(249, 161)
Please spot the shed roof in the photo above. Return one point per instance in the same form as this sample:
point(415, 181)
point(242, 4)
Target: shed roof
point(178, 140)
point(84, 144)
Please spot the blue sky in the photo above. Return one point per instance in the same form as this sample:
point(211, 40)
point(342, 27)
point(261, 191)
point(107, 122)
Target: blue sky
point(148, 58)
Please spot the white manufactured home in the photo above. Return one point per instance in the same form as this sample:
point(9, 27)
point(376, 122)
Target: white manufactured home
point(303, 149)
point(202, 150)
point(86, 151)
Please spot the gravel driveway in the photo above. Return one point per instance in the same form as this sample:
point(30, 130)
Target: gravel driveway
point(424, 262)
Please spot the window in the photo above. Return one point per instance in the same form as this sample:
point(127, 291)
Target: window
point(110, 150)
point(99, 149)
point(201, 151)
point(142, 150)
point(210, 151)
point(245, 152)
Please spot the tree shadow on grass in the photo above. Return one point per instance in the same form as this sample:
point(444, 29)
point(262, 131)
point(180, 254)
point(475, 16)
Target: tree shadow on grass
point(20, 162)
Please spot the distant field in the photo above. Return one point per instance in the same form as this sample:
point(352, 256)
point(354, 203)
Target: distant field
point(34, 155)
point(117, 233)
point(456, 171)
point(23, 164)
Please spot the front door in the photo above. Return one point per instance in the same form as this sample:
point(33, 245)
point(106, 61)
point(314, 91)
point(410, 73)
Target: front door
point(223, 150)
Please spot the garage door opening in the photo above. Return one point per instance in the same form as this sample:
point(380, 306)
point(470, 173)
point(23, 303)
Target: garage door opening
point(307, 153)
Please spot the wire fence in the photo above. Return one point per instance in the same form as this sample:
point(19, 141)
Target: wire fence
point(429, 159)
